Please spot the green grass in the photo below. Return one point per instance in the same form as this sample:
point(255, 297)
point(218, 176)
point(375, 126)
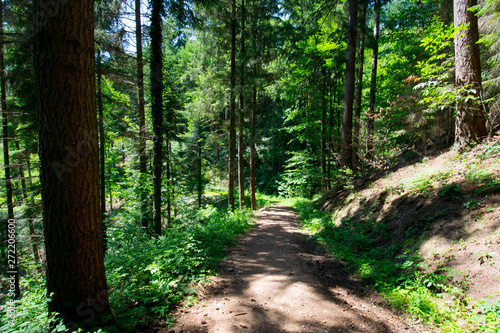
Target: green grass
point(396, 276)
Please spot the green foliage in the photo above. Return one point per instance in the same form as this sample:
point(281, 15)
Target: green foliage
point(147, 276)
point(398, 276)
point(450, 191)
point(301, 176)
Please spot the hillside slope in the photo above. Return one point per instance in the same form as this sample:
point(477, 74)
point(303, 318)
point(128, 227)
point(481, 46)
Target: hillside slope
point(432, 225)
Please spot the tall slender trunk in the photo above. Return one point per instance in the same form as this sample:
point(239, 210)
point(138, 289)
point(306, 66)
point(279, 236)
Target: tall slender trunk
point(169, 183)
point(359, 88)
point(241, 178)
point(8, 181)
point(102, 146)
point(471, 119)
point(198, 171)
point(110, 190)
point(373, 86)
point(232, 110)
point(324, 185)
point(346, 155)
point(69, 162)
point(253, 201)
point(141, 114)
point(157, 108)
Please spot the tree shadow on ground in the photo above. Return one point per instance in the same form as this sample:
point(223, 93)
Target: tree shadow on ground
point(315, 290)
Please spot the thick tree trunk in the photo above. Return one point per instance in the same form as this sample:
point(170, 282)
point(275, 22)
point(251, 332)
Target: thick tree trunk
point(69, 162)
point(253, 201)
point(232, 110)
point(471, 119)
point(346, 155)
point(373, 86)
point(141, 113)
point(241, 177)
point(157, 108)
point(359, 88)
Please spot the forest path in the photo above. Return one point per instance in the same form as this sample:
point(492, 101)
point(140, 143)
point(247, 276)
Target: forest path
point(278, 280)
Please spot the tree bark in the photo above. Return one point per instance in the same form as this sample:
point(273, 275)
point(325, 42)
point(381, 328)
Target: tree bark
point(102, 146)
point(324, 185)
point(232, 110)
point(346, 154)
point(471, 120)
point(241, 177)
point(157, 108)
point(359, 88)
point(143, 168)
point(69, 162)
point(373, 86)
point(253, 201)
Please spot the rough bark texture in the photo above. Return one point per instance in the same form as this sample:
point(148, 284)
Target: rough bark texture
point(359, 89)
point(141, 111)
point(471, 120)
point(241, 177)
point(346, 154)
point(140, 90)
point(69, 161)
point(373, 86)
point(157, 108)
point(232, 109)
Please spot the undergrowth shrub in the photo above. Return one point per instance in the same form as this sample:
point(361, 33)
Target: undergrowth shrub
point(146, 275)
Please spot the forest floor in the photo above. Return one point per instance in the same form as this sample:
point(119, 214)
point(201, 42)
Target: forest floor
point(278, 280)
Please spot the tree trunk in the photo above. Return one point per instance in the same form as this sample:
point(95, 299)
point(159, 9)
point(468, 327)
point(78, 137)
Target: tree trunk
point(359, 88)
point(471, 120)
point(12, 259)
point(198, 171)
point(169, 176)
point(102, 146)
point(346, 155)
point(241, 178)
point(69, 162)
point(253, 201)
point(324, 185)
point(232, 111)
point(373, 86)
point(157, 108)
point(141, 113)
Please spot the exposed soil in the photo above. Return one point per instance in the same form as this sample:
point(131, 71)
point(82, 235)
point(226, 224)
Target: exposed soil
point(279, 280)
point(455, 233)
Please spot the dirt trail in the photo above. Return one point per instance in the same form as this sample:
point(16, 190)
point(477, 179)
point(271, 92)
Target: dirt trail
point(278, 280)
